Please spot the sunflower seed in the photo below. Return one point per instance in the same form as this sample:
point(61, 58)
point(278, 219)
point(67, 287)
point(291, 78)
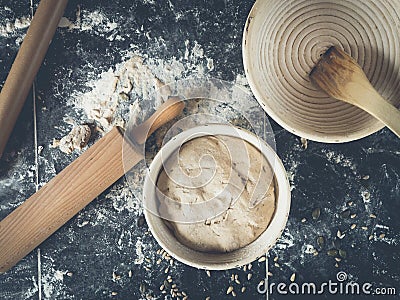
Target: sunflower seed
point(321, 241)
point(340, 235)
point(229, 290)
point(353, 216)
point(208, 273)
point(303, 220)
point(142, 288)
point(382, 236)
point(373, 216)
point(336, 243)
point(353, 226)
point(316, 213)
point(342, 253)
point(332, 252)
point(371, 237)
point(293, 277)
point(262, 259)
point(249, 276)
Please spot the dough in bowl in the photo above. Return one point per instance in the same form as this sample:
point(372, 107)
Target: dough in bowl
point(225, 172)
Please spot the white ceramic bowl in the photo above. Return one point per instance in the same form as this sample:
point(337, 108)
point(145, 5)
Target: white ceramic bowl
point(282, 42)
point(214, 261)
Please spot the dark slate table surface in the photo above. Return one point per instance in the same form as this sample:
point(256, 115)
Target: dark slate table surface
point(106, 251)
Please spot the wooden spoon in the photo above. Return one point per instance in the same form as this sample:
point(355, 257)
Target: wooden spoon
point(75, 187)
point(342, 78)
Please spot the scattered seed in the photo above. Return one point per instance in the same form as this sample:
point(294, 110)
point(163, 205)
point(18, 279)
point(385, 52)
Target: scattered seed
point(382, 236)
point(142, 288)
point(338, 259)
point(342, 253)
point(232, 277)
point(337, 265)
point(249, 276)
point(69, 274)
point(208, 273)
point(184, 294)
point(366, 177)
point(269, 274)
point(162, 287)
point(345, 214)
point(173, 286)
point(371, 237)
point(340, 235)
point(350, 203)
point(166, 270)
point(262, 259)
point(114, 293)
point(243, 289)
point(353, 226)
point(171, 262)
point(332, 252)
point(158, 261)
point(116, 276)
point(233, 294)
point(276, 259)
point(303, 220)
point(158, 251)
point(293, 277)
point(208, 298)
point(237, 281)
point(316, 213)
point(147, 259)
point(304, 143)
point(321, 241)
point(277, 265)
point(249, 267)
point(373, 216)
point(185, 298)
point(336, 243)
point(245, 268)
point(353, 216)
point(229, 290)
point(315, 252)
point(366, 195)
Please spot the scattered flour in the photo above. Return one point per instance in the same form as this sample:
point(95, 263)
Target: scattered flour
point(14, 26)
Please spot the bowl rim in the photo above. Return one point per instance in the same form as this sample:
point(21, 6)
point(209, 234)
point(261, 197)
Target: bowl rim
point(264, 242)
point(263, 99)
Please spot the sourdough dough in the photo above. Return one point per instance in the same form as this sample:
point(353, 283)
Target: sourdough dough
point(216, 168)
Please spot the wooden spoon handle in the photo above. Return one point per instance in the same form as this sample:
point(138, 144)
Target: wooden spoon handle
point(371, 101)
point(72, 189)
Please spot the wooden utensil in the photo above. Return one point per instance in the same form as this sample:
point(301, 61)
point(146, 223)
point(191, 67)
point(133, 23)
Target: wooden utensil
point(75, 187)
point(342, 78)
point(27, 63)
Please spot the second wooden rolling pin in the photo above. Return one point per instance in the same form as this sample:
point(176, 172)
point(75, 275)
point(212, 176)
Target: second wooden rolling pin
point(75, 187)
point(27, 63)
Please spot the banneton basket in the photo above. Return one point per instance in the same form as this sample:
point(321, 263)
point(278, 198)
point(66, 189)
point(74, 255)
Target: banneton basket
point(218, 261)
point(282, 42)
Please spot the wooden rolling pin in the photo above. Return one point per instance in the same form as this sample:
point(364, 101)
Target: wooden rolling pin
point(75, 187)
point(27, 63)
